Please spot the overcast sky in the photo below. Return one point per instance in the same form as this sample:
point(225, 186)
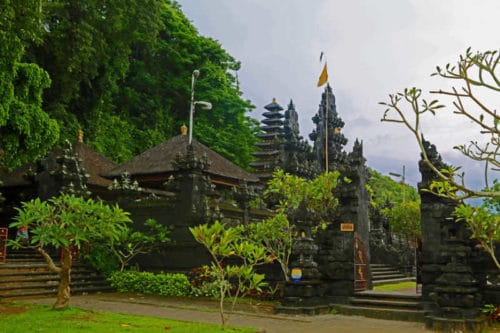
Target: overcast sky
point(373, 48)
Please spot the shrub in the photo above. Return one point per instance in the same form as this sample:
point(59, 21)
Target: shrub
point(164, 284)
point(101, 259)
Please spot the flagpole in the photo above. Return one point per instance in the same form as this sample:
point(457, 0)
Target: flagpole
point(326, 128)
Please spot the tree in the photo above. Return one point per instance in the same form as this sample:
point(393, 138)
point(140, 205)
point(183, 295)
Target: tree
point(223, 243)
point(121, 71)
point(26, 131)
point(64, 222)
point(288, 192)
point(478, 74)
point(404, 219)
point(130, 243)
point(398, 201)
point(275, 235)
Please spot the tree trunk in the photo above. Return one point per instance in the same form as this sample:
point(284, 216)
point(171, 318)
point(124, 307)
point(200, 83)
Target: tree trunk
point(63, 292)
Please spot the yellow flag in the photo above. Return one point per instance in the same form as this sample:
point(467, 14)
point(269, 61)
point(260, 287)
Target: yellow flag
point(323, 78)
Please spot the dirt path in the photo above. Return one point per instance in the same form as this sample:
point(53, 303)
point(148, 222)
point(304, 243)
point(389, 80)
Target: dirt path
point(255, 315)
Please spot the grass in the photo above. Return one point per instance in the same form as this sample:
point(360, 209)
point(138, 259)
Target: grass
point(396, 286)
point(16, 318)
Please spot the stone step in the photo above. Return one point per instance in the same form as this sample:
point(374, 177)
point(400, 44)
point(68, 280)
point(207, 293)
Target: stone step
point(47, 278)
point(50, 284)
point(381, 312)
point(388, 295)
point(388, 276)
point(26, 274)
point(386, 271)
point(385, 303)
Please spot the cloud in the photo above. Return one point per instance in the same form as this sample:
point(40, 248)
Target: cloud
point(373, 48)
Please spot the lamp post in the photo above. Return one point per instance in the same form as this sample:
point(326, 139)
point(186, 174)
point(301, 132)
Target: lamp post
point(402, 179)
point(205, 105)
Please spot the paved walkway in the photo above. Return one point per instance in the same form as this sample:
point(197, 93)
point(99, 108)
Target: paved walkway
point(255, 315)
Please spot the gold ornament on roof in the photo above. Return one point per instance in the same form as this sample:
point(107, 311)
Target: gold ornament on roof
point(184, 129)
point(80, 136)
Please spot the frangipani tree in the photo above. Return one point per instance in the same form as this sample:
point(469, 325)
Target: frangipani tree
point(478, 76)
point(63, 222)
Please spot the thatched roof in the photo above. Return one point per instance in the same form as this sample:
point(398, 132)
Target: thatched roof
point(94, 164)
point(158, 160)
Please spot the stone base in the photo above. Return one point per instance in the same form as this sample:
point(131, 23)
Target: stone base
point(304, 310)
point(439, 324)
point(303, 297)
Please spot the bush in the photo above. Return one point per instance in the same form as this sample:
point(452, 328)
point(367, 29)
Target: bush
point(101, 259)
point(164, 284)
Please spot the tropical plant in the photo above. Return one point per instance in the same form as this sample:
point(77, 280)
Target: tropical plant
point(67, 222)
point(275, 234)
point(225, 243)
point(130, 243)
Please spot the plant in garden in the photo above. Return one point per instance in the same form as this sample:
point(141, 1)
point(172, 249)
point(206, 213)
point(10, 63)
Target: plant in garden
point(477, 73)
point(63, 222)
point(227, 243)
point(275, 234)
point(130, 243)
point(484, 225)
point(404, 218)
point(288, 191)
point(165, 284)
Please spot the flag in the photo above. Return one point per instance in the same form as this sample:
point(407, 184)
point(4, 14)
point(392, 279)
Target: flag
point(323, 78)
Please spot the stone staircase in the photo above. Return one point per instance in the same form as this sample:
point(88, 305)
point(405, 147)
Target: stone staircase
point(25, 274)
point(383, 274)
point(384, 305)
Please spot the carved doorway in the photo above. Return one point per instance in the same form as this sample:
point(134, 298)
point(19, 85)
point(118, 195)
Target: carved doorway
point(360, 265)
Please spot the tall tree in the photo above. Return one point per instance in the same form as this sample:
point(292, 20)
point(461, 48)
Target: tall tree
point(121, 70)
point(26, 131)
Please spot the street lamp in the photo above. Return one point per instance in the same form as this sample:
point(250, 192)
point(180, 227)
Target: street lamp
point(204, 105)
point(402, 180)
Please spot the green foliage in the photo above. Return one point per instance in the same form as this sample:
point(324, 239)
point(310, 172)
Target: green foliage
point(64, 222)
point(164, 284)
point(275, 234)
point(484, 225)
point(404, 218)
point(203, 283)
point(26, 131)
point(223, 243)
point(290, 191)
point(491, 312)
point(131, 243)
point(384, 189)
point(112, 255)
point(119, 70)
point(101, 258)
point(68, 220)
point(398, 201)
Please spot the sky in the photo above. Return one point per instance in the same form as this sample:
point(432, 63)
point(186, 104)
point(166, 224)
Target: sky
point(373, 48)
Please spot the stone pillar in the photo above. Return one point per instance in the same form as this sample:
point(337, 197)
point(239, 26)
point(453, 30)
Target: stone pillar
point(450, 293)
point(336, 257)
point(304, 295)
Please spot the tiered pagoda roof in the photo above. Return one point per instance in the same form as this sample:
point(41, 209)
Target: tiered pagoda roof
point(269, 155)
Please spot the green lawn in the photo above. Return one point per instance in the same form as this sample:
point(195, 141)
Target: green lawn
point(19, 318)
point(396, 286)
